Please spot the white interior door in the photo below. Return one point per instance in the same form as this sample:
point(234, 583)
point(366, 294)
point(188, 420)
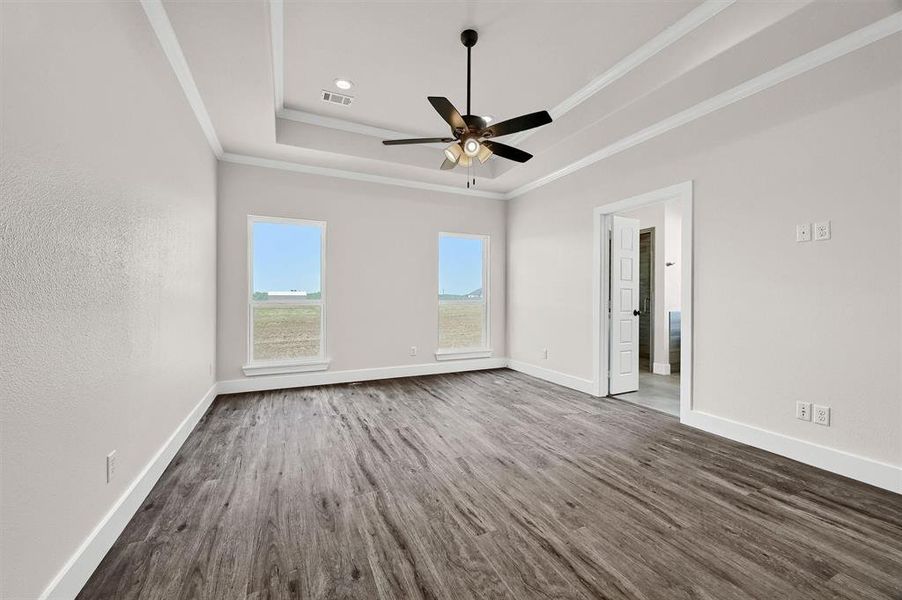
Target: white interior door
point(624, 305)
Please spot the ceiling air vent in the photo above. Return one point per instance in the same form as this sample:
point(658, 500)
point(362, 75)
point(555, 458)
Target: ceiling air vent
point(333, 98)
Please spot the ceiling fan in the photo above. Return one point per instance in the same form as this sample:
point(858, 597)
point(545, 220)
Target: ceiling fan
point(470, 133)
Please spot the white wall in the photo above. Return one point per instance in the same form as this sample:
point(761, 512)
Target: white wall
point(775, 321)
point(107, 271)
point(381, 262)
point(673, 255)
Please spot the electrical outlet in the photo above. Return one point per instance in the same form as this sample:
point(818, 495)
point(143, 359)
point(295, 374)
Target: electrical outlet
point(412, 351)
point(803, 411)
point(544, 353)
point(822, 230)
point(110, 466)
point(822, 415)
point(803, 232)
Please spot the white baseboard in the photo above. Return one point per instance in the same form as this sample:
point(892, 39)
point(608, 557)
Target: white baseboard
point(575, 383)
point(876, 473)
point(660, 368)
point(275, 382)
point(78, 569)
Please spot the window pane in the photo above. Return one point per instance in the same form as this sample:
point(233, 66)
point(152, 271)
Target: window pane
point(287, 332)
point(460, 324)
point(287, 261)
point(459, 267)
point(461, 317)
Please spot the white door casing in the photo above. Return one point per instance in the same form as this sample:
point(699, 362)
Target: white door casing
point(624, 368)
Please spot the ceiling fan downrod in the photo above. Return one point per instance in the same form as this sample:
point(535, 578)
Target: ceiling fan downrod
point(468, 37)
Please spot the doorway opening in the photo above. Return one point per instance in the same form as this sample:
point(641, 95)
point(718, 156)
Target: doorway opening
point(646, 298)
point(644, 292)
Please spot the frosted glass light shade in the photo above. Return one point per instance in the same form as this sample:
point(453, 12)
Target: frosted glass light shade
point(453, 152)
point(471, 147)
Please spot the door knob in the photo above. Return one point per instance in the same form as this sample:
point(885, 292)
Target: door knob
point(636, 313)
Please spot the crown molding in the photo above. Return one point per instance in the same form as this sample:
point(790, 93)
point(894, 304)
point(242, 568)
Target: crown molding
point(694, 19)
point(797, 66)
point(162, 27)
point(269, 163)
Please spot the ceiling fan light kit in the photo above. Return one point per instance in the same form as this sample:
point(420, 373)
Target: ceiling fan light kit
point(471, 132)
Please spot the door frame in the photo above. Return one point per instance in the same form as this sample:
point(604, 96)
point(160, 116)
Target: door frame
point(601, 283)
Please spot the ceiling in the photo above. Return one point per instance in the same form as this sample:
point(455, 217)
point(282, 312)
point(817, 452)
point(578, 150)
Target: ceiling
point(610, 73)
point(529, 57)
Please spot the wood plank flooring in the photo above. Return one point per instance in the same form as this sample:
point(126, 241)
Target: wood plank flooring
point(491, 485)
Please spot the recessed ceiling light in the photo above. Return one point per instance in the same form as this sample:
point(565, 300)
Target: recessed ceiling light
point(344, 84)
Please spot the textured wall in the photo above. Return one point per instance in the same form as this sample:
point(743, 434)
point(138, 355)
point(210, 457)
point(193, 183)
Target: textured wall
point(775, 321)
point(107, 271)
point(381, 262)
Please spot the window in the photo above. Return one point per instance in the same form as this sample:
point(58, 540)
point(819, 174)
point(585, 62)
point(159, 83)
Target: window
point(463, 296)
point(286, 311)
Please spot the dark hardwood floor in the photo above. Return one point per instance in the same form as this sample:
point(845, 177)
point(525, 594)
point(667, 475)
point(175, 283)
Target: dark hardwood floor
point(491, 485)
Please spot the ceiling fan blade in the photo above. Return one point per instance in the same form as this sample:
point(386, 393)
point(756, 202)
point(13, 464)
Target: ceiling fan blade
point(447, 165)
point(441, 140)
point(444, 107)
point(521, 123)
point(505, 151)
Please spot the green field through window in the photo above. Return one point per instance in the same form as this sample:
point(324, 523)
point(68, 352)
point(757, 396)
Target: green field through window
point(460, 324)
point(284, 333)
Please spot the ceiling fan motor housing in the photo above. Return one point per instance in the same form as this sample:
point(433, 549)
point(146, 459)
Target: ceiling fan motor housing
point(474, 123)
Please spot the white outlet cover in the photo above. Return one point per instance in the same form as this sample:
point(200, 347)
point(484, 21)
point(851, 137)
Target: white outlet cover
point(803, 411)
point(822, 415)
point(413, 350)
point(803, 232)
point(822, 230)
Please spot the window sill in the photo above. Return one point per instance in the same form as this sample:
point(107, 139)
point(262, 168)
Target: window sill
point(462, 354)
point(281, 369)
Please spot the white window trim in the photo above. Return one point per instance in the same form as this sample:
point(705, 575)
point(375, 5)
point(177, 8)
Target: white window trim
point(273, 367)
point(484, 351)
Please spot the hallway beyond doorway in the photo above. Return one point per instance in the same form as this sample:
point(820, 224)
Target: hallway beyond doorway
point(658, 392)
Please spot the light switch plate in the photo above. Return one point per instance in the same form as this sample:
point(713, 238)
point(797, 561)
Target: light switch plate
point(803, 232)
point(110, 466)
point(803, 411)
point(822, 230)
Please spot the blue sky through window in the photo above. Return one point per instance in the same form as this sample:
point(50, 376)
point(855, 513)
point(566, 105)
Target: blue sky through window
point(287, 257)
point(460, 265)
